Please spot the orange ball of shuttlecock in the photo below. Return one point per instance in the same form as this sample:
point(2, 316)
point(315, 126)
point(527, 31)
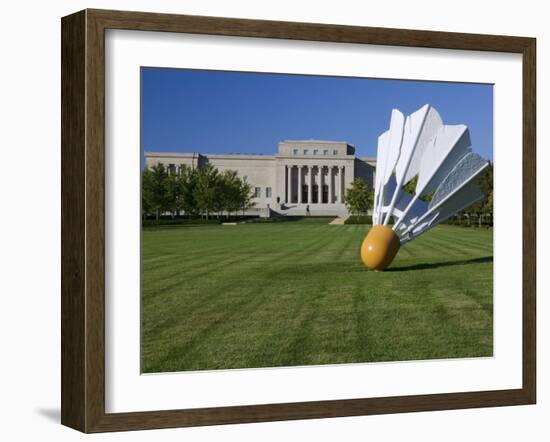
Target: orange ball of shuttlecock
point(379, 247)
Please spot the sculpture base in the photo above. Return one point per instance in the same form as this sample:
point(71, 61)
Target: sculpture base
point(379, 247)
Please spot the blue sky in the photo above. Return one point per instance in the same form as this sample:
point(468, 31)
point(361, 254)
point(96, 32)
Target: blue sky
point(237, 112)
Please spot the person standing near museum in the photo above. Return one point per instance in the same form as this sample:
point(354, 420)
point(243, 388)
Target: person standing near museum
point(308, 213)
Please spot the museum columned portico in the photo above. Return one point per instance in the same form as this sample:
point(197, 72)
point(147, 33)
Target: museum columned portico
point(314, 184)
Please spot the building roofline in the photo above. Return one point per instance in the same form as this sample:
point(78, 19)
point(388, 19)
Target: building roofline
point(239, 156)
point(317, 142)
point(170, 154)
point(206, 155)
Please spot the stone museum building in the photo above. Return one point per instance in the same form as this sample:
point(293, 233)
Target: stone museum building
point(302, 173)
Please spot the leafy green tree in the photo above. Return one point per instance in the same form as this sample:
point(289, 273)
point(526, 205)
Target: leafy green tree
point(358, 198)
point(174, 193)
point(147, 205)
point(205, 191)
point(188, 184)
point(486, 185)
point(410, 187)
point(483, 207)
point(229, 191)
point(194, 191)
point(245, 195)
point(153, 194)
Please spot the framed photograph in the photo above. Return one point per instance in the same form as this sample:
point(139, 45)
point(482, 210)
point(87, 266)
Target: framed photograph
point(268, 221)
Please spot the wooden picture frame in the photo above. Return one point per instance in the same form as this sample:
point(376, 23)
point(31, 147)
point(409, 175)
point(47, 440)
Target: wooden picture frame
point(83, 220)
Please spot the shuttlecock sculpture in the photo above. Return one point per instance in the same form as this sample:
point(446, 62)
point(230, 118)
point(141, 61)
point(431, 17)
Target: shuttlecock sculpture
point(440, 158)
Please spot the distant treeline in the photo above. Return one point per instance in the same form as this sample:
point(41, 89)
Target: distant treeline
point(193, 191)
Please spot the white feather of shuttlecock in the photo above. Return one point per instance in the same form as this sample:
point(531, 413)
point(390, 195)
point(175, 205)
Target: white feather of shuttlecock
point(441, 158)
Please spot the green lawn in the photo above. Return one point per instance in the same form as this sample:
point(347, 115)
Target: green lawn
point(296, 293)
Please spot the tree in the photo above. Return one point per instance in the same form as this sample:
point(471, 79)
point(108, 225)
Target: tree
point(358, 198)
point(147, 204)
point(174, 191)
point(245, 195)
point(205, 191)
point(153, 194)
point(229, 191)
point(194, 191)
point(410, 187)
point(188, 184)
point(484, 206)
point(486, 185)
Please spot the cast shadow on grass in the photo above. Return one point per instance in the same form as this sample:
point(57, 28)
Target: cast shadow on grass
point(435, 265)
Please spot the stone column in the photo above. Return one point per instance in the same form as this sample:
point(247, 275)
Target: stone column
point(341, 183)
point(310, 187)
point(336, 187)
point(299, 184)
point(320, 186)
point(289, 184)
point(330, 200)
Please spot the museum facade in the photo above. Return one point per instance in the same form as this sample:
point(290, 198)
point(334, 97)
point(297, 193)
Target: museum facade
point(302, 175)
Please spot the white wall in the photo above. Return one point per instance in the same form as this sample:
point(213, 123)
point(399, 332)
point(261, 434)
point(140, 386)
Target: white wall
point(30, 250)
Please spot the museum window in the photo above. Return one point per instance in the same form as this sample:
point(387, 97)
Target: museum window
point(325, 152)
point(315, 151)
point(295, 151)
point(268, 192)
point(257, 192)
point(335, 152)
point(305, 151)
